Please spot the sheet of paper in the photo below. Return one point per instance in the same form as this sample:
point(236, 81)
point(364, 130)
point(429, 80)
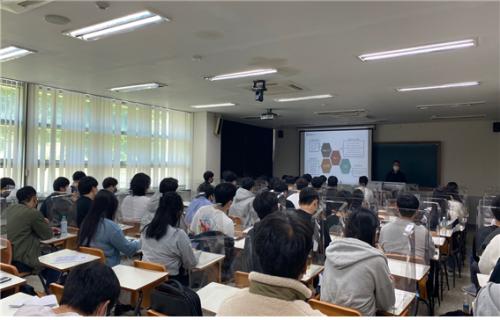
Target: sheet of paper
point(72, 258)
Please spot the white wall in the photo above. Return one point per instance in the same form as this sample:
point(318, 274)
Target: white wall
point(470, 150)
point(206, 147)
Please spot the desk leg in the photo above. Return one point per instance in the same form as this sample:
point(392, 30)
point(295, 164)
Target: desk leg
point(138, 304)
point(219, 274)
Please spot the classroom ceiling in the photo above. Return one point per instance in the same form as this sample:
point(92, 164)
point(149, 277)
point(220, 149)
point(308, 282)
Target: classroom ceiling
point(313, 45)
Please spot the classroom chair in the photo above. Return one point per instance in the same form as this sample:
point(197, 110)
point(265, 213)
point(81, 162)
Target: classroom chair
point(153, 313)
point(146, 292)
point(6, 251)
point(57, 290)
point(241, 279)
point(95, 252)
point(12, 270)
point(333, 310)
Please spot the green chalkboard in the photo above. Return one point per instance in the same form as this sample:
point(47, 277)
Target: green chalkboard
point(420, 161)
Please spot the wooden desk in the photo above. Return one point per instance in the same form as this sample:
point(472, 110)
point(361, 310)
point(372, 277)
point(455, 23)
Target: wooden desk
point(400, 268)
point(136, 279)
point(56, 260)
point(60, 240)
point(17, 298)
point(214, 294)
point(208, 259)
point(438, 241)
point(403, 302)
point(14, 281)
point(483, 279)
point(312, 272)
point(125, 227)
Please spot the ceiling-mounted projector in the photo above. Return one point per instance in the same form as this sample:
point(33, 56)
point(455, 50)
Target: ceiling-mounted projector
point(268, 115)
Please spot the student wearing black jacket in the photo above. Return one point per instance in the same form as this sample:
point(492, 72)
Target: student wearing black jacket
point(395, 175)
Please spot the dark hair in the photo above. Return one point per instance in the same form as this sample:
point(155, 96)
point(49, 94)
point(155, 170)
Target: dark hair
point(452, 186)
point(397, 161)
point(280, 186)
point(362, 225)
point(265, 203)
point(103, 206)
point(78, 175)
point(89, 285)
point(307, 176)
point(344, 195)
point(496, 207)
point(363, 180)
point(290, 180)
point(224, 192)
point(273, 182)
point(332, 181)
point(301, 183)
point(86, 184)
point(282, 242)
point(357, 199)
point(323, 178)
point(207, 189)
point(247, 183)
point(167, 214)
point(308, 195)
point(6, 181)
point(407, 204)
point(317, 182)
point(207, 175)
point(25, 194)
point(139, 184)
point(229, 176)
point(59, 183)
point(109, 182)
point(169, 185)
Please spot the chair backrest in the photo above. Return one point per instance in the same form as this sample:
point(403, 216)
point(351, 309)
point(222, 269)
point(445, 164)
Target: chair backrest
point(241, 279)
point(5, 267)
point(57, 290)
point(237, 221)
point(150, 266)
point(94, 251)
point(153, 313)
point(333, 310)
point(6, 251)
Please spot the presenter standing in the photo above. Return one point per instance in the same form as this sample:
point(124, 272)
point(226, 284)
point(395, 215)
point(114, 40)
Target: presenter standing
point(395, 175)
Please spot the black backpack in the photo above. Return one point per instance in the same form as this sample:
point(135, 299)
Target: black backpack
point(174, 299)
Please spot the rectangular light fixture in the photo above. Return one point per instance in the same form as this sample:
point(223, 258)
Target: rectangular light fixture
point(243, 74)
point(440, 86)
point(320, 96)
point(119, 25)
point(214, 105)
point(470, 116)
point(418, 50)
point(13, 52)
point(449, 105)
point(137, 87)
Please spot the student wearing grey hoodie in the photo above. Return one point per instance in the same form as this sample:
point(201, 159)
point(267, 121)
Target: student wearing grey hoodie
point(356, 273)
point(487, 301)
point(242, 203)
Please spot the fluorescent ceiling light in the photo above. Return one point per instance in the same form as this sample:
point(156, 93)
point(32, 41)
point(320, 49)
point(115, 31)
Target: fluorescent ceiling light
point(418, 50)
point(243, 74)
point(320, 96)
point(13, 52)
point(120, 25)
point(215, 105)
point(441, 86)
point(450, 105)
point(471, 116)
point(137, 87)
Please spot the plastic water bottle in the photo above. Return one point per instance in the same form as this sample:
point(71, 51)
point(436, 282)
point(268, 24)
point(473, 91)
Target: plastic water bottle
point(466, 306)
point(64, 226)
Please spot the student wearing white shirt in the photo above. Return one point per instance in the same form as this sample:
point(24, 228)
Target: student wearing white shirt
point(214, 217)
point(300, 184)
point(490, 255)
point(135, 206)
point(369, 198)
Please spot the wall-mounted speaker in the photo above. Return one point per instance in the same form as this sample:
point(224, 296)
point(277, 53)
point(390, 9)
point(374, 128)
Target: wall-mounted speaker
point(496, 126)
point(218, 126)
point(281, 134)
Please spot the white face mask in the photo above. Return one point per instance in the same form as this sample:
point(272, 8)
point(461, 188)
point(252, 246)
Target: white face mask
point(395, 168)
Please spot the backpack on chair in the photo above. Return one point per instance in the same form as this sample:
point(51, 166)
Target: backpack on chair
point(174, 299)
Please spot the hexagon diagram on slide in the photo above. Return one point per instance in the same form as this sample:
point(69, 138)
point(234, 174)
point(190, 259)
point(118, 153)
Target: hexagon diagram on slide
point(326, 149)
point(335, 157)
point(326, 165)
point(345, 166)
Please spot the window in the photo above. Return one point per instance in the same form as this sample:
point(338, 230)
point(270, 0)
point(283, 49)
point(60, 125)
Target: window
point(11, 129)
point(70, 131)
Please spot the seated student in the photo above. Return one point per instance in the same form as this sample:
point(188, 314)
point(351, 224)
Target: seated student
point(77, 176)
point(110, 184)
point(87, 187)
point(164, 243)
point(205, 197)
point(281, 189)
point(208, 177)
point(490, 256)
point(290, 182)
point(54, 208)
point(357, 200)
point(331, 188)
point(369, 198)
point(99, 230)
point(264, 204)
point(392, 238)
point(91, 290)
point(300, 184)
point(166, 185)
point(135, 206)
point(317, 183)
point(356, 273)
point(25, 228)
point(7, 187)
point(214, 217)
point(307, 177)
point(242, 203)
point(282, 243)
point(230, 177)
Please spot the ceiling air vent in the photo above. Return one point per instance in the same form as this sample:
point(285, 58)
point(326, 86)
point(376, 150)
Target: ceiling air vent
point(342, 114)
point(22, 6)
